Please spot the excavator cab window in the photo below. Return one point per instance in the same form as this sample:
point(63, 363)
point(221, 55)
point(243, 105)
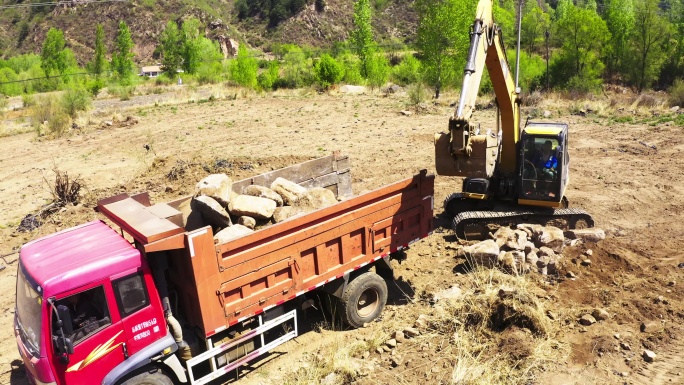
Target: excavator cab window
point(541, 168)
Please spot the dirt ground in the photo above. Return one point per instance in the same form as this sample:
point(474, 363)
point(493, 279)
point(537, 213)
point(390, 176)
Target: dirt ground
point(628, 176)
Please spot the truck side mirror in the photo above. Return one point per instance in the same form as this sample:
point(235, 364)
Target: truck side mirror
point(65, 318)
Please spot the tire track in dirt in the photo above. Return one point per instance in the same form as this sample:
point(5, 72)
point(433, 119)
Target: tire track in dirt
point(668, 367)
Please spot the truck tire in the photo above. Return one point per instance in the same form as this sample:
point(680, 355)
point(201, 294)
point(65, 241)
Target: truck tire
point(363, 300)
point(147, 378)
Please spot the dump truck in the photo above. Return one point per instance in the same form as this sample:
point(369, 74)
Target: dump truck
point(140, 299)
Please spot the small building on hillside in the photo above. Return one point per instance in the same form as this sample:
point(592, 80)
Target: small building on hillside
point(150, 71)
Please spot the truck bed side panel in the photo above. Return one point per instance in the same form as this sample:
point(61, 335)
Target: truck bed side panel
point(243, 277)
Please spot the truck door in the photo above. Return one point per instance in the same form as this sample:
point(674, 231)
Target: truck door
point(97, 336)
point(142, 322)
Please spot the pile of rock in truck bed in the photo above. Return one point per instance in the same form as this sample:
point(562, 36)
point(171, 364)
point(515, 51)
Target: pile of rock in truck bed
point(529, 248)
point(234, 214)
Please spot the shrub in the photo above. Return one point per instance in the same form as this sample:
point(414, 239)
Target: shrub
point(407, 72)
point(268, 79)
point(28, 100)
point(352, 68)
point(209, 73)
point(122, 92)
point(243, 69)
point(416, 93)
point(377, 69)
point(49, 109)
point(74, 100)
point(328, 71)
point(94, 86)
point(676, 93)
point(297, 69)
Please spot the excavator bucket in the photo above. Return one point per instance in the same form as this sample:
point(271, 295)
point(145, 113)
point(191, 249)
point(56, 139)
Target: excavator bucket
point(480, 163)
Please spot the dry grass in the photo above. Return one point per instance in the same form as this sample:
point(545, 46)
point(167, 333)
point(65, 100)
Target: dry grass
point(495, 338)
point(341, 366)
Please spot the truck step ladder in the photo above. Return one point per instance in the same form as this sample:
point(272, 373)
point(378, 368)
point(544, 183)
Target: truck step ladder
point(212, 353)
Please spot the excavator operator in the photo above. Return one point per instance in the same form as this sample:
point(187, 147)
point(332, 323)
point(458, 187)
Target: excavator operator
point(546, 162)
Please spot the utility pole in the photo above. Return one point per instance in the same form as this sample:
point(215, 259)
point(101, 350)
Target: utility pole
point(546, 34)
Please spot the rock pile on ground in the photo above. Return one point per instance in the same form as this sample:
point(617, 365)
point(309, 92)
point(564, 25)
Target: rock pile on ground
point(237, 214)
point(528, 248)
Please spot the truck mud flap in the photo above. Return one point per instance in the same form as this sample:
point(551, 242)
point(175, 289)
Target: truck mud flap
point(257, 332)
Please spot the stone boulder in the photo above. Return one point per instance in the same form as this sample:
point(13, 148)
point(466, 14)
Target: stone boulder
point(510, 239)
point(484, 253)
point(248, 222)
point(211, 211)
point(263, 192)
point(317, 198)
point(286, 212)
point(551, 237)
point(216, 186)
point(251, 206)
point(232, 232)
point(586, 235)
point(290, 191)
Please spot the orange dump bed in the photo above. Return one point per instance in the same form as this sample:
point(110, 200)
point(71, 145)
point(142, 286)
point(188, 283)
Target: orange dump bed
point(220, 285)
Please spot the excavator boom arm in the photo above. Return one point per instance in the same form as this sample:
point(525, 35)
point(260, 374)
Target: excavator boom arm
point(486, 50)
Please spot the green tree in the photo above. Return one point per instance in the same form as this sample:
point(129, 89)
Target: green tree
point(619, 15)
point(645, 52)
point(362, 35)
point(52, 57)
point(328, 71)
point(170, 42)
point(408, 71)
point(504, 16)
point(583, 34)
point(99, 60)
point(377, 70)
point(673, 67)
point(7, 75)
point(442, 39)
point(122, 59)
point(534, 24)
point(191, 46)
point(243, 69)
point(267, 79)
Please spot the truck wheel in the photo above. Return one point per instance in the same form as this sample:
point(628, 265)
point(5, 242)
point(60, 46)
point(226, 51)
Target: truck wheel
point(363, 300)
point(154, 378)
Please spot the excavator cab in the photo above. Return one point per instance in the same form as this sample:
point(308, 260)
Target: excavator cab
point(544, 162)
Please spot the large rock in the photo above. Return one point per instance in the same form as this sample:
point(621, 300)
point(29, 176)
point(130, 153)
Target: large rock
point(290, 191)
point(317, 198)
point(551, 237)
point(248, 222)
point(216, 186)
point(211, 210)
point(350, 89)
point(502, 234)
point(232, 232)
point(587, 235)
point(453, 292)
point(509, 262)
point(263, 192)
point(529, 228)
point(484, 253)
point(286, 212)
point(511, 239)
point(251, 206)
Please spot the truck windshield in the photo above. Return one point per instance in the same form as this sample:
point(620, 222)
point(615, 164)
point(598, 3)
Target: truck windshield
point(28, 313)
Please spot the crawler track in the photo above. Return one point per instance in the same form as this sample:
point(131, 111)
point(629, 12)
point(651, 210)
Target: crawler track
point(478, 224)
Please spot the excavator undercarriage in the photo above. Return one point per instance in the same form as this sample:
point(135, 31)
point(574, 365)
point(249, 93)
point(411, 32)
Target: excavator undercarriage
point(473, 222)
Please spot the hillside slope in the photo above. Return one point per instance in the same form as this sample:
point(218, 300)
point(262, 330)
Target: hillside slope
point(23, 29)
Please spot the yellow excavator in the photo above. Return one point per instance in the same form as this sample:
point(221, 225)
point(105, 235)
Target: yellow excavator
point(510, 175)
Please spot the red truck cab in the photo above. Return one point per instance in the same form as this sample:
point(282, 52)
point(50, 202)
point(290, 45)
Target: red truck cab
point(81, 315)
